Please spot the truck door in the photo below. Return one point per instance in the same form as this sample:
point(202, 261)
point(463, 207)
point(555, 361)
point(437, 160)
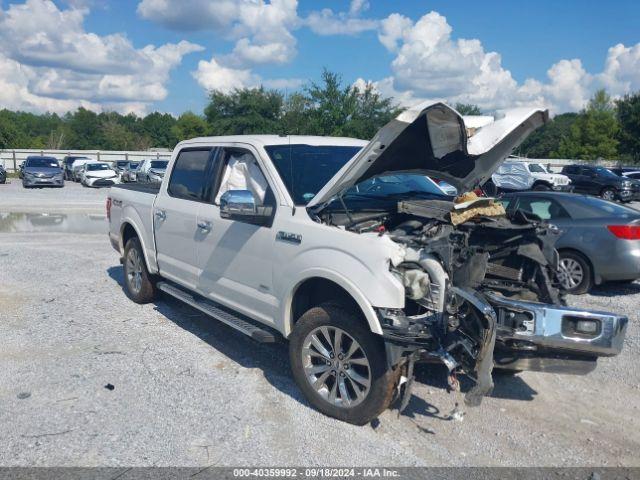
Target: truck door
point(235, 257)
point(176, 216)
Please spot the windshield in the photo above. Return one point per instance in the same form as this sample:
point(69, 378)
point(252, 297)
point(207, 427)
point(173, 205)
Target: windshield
point(159, 164)
point(537, 168)
point(133, 165)
point(605, 172)
point(121, 163)
point(305, 169)
point(46, 162)
point(395, 185)
point(98, 166)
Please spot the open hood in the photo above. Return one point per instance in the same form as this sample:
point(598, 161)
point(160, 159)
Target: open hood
point(434, 139)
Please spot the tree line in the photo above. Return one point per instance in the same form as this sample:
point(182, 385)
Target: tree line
point(604, 129)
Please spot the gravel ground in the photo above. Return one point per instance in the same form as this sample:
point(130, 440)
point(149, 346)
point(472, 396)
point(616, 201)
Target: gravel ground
point(189, 391)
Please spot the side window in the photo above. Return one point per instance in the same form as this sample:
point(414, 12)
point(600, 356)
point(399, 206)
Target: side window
point(545, 208)
point(240, 171)
point(188, 177)
point(571, 170)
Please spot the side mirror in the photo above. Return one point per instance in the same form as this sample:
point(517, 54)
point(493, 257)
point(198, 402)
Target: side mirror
point(241, 205)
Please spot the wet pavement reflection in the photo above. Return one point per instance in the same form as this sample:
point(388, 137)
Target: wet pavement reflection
point(53, 222)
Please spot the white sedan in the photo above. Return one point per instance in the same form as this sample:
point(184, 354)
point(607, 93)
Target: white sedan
point(98, 174)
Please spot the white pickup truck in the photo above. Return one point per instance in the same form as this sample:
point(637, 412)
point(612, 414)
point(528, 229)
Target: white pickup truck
point(343, 248)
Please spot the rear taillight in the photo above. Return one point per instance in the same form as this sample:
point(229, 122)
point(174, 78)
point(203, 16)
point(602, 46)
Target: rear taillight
point(627, 232)
point(109, 209)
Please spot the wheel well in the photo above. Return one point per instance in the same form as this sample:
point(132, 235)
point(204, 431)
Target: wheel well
point(608, 187)
point(579, 253)
point(542, 182)
point(316, 291)
point(128, 232)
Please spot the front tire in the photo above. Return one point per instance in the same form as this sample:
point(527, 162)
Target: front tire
point(340, 366)
point(574, 273)
point(608, 194)
point(138, 282)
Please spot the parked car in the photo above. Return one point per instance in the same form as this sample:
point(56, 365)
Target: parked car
point(599, 240)
point(120, 166)
point(627, 172)
point(130, 172)
point(3, 174)
point(151, 171)
point(515, 175)
point(67, 165)
point(99, 174)
point(41, 171)
point(348, 251)
point(78, 167)
point(601, 182)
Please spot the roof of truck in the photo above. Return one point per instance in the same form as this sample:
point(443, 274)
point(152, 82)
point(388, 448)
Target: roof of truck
point(279, 140)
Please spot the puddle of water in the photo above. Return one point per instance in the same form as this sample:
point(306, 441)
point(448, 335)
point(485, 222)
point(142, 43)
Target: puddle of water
point(53, 222)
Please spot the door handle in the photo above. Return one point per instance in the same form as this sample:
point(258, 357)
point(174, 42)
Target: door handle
point(160, 214)
point(204, 226)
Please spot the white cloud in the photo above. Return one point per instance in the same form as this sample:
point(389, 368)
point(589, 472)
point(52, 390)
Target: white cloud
point(430, 64)
point(61, 66)
point(328, 22)
point(213, 76)
point(261, 30)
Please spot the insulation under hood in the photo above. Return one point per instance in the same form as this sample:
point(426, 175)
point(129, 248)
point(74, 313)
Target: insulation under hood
point(434, 139)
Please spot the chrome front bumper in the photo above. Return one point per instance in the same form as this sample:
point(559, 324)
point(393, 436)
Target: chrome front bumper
point(551, 327)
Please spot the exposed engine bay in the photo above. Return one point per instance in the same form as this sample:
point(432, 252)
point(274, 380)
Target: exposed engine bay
point(465, 285)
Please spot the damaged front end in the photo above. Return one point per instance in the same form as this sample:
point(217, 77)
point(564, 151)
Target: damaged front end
point(483, 293)
point(480, 284)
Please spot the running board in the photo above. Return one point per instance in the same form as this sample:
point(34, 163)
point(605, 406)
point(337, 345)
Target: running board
point(240, 323)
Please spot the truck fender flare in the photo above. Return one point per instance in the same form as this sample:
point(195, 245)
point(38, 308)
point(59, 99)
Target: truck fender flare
point(127, 220)
point(362, 301)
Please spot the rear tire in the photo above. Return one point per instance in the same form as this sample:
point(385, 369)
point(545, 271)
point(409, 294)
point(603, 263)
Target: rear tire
point(327, 362)
point(139, 285)
point(575, 273)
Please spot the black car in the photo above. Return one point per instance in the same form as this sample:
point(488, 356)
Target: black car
point(602, 182)
point(67, 165)
point(3, 174)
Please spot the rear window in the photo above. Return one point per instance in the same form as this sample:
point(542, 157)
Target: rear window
point(592, 207)
point(188, 179)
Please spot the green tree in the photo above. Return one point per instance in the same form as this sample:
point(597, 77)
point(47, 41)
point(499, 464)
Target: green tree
point(545, 142)
point(628, 112)
point(332, 104)
point(159, 128)
point(9, 134)
point(593, 135)
point(468, 109)
point(371, 113)
point(295, 119)
point(85, 129)
point(243, 111)
point(189, 125)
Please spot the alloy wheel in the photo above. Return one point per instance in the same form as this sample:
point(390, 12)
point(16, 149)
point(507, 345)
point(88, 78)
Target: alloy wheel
point(608, 195)
point(336, 366)
point(134, 270)
point(570, 273)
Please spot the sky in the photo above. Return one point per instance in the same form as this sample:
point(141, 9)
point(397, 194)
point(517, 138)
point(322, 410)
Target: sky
point(166, 55)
